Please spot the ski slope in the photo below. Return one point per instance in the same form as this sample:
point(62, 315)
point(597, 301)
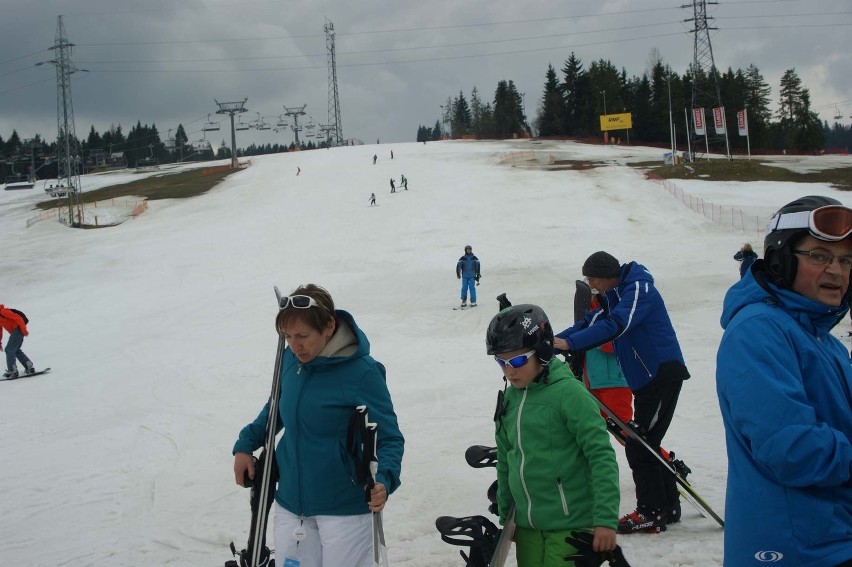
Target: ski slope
point(161, 339)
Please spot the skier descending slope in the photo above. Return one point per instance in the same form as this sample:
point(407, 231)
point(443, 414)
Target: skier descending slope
point(321, 517)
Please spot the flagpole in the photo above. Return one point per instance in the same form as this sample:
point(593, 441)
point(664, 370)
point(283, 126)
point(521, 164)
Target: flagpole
point(688, 135)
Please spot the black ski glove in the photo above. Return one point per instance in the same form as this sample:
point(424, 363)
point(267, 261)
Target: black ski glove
point(585, 556)
point(477, 279)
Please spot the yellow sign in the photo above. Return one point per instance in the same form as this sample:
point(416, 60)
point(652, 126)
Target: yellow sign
point(616, 121)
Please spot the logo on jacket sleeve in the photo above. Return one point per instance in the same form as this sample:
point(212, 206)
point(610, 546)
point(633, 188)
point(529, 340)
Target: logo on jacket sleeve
point(769, 556)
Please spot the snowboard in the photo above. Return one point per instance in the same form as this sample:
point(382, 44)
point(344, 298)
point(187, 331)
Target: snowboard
point(36, 373)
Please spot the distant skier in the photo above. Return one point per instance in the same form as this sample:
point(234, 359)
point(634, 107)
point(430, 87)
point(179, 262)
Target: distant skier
point(14, 323)
point(403, 181)
point(375, 157)
point(372, 199)
point(393, 186)
point(391, 154)
point(746, 256)
point(298, 171)
point(467, 270)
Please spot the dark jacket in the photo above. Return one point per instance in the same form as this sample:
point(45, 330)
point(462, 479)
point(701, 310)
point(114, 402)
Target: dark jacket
point(633, 315)
point(746, 259)
point(467, 266)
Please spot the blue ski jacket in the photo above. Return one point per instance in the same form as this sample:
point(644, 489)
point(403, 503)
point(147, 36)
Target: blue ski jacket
point(316, 474)
point(467, 266)
point(784, 391)
point(634, 316)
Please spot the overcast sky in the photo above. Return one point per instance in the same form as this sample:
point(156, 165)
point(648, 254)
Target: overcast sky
point(163, 62)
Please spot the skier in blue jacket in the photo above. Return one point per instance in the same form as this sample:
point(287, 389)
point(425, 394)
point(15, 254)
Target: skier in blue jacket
point(633, 316)
point(467, 270)
point(326, 372)
point(785, 391)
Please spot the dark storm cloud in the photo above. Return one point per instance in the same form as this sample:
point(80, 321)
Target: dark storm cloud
point(164, 62)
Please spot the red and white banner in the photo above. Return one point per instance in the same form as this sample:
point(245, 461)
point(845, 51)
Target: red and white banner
point(698, 120)
point(742, 122)
point(719, 119)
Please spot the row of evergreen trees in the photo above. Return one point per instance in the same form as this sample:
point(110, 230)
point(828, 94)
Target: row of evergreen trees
point(571, 103)
point(142, 142)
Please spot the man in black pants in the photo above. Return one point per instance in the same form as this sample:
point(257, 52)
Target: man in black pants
point(634, 316)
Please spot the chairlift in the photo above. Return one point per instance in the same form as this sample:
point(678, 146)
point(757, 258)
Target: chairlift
point(210, 126)
point(282, 122)
point(837, 114)
point(240, 125)
point(264, 126)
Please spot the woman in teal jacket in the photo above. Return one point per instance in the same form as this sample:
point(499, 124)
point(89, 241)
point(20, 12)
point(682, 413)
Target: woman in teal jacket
point(555, 463)
point(327, 371)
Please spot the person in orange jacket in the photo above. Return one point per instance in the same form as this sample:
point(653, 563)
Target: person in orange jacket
point(16, 326)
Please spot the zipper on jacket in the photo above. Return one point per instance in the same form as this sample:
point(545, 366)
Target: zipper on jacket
point(562, 496)
point(523, 459)
point(297, 438)
point(642, 362)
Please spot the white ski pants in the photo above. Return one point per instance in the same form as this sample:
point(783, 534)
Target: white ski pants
point(324, 541)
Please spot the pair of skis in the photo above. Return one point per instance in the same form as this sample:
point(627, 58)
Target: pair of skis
point(256, 553)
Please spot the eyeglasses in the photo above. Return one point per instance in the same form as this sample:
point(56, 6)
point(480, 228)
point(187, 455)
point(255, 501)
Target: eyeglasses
point(830, 223)
point(299, 302)
point(515, 361)
point(819, 257)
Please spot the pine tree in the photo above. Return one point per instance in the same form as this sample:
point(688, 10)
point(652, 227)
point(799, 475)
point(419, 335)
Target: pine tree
point(790, 95)
point(756, 101)
point(476, 111)
point(575, 91)
point(461, 117)
point(551, 118)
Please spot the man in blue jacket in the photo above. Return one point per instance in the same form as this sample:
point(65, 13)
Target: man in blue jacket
point(785, 391)
point(467, 270)
point(633, 316)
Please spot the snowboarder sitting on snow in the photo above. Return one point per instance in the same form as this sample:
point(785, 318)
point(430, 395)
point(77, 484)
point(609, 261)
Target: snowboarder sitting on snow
point(467, 270)
point(633, 316)
point(555, 463)
point(326, 372)
point(783, 382)
point(746, 256)
point(16, 326)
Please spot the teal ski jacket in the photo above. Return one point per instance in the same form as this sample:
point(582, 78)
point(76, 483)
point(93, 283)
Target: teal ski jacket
point(316, 474)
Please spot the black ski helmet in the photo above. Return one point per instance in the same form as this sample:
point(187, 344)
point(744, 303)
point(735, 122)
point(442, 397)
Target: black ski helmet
point(520, 326)
point(781, 262)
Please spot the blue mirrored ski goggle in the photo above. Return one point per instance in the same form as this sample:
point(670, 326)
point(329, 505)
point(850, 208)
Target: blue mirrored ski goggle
point(515, 361)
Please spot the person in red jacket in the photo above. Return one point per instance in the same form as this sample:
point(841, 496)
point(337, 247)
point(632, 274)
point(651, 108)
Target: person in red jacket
point(15, 325)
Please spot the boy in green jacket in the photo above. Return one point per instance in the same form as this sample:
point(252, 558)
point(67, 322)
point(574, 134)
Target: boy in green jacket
point(554, 458)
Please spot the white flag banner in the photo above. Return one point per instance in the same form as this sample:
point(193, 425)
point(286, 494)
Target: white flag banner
point(719, 119)
point(742, 122)
point(698, 120)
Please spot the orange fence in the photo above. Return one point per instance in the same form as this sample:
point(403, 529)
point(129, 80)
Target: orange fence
point(226, 167)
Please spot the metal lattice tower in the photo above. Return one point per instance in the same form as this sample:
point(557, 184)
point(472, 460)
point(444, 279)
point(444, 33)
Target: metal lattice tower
point(295, 112)
point(334, 119)
point(705, 77)
point(232, 108)
point(68, 150)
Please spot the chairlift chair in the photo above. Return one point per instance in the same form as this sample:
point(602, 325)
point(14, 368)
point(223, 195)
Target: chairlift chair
point(210, 126)
point(837, 114)
point(240, 125)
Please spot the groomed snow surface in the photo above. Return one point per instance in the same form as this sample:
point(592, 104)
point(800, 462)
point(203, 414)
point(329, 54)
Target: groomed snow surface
point(161, 339)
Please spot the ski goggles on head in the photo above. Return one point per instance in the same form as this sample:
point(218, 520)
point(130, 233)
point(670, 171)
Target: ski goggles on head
point(299, 302)
point(515, 361)
point(830, 223)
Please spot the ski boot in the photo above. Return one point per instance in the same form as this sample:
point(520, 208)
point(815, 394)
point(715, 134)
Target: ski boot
point(11, 374)
point(643, 520)
point(29, 367)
